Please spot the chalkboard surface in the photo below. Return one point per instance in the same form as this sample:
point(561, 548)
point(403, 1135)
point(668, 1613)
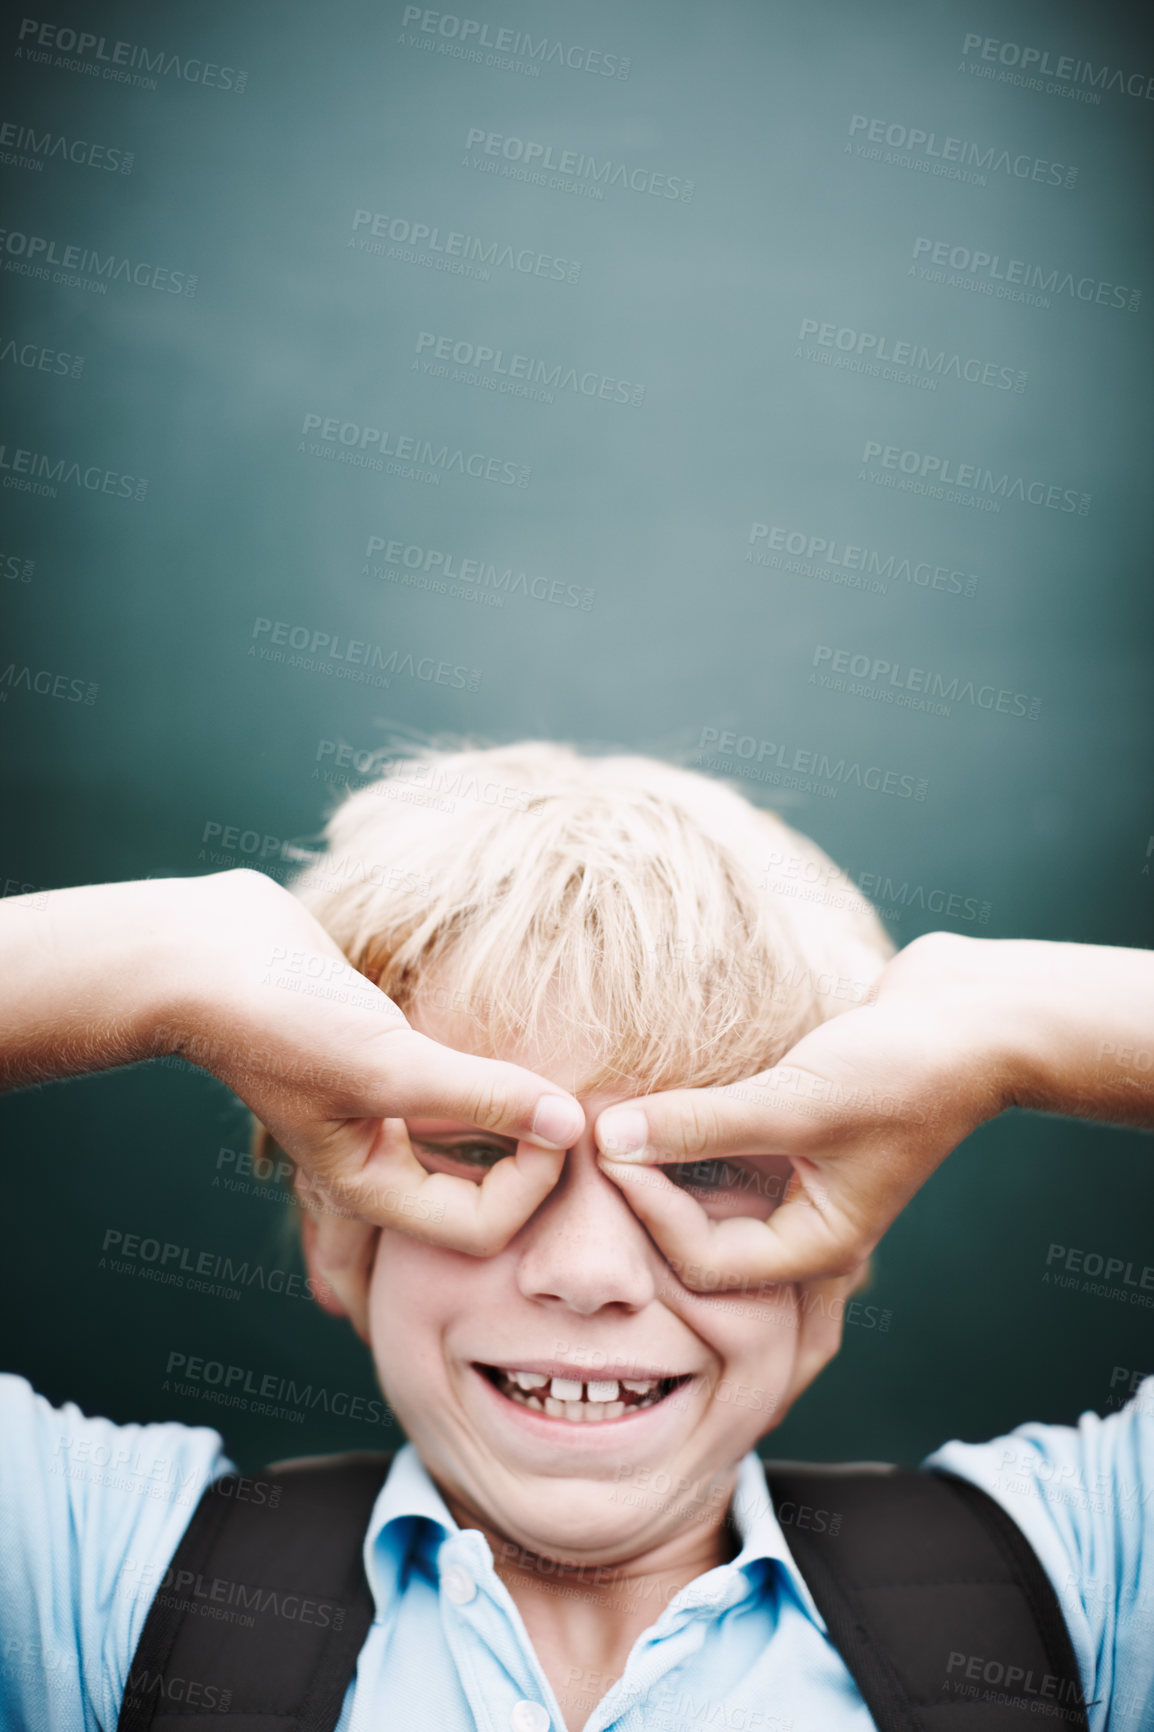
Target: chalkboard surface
point(762, 387)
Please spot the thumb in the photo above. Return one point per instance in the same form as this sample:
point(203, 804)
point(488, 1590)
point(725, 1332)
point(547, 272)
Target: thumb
point(411, 1076)
point(785, 1110)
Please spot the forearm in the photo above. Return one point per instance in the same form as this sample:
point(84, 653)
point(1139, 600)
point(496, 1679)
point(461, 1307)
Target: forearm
point(1074, 1023)
point(90, 978)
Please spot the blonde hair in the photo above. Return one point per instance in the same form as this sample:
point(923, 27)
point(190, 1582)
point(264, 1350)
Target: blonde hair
point(672, 931)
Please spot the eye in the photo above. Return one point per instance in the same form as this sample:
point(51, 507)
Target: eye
point(476, 1153)
point(712, 1176)
point(747, 1186)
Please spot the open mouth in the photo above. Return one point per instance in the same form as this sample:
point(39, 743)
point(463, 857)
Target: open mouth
point(580, 1402)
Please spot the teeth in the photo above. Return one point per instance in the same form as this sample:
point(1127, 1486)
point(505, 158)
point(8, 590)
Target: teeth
point(580, 1402)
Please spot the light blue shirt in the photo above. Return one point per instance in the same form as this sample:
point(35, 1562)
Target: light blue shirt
point(91, 1513)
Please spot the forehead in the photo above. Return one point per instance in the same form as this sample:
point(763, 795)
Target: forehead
point(568, 1057)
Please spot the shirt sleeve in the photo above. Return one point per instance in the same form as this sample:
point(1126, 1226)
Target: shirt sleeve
point(1083, 1495)
point(90, 1515)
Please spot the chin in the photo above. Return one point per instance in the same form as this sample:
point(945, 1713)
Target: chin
point(591, 1527)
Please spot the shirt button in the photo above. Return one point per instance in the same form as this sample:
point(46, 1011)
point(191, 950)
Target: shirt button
point(458, 1584)
point(529, 1717)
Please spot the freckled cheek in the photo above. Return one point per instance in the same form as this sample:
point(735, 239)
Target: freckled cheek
point(755, 1353)
point(413, 1299)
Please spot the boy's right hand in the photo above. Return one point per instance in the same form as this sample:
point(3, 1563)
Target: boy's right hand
point(234, 974)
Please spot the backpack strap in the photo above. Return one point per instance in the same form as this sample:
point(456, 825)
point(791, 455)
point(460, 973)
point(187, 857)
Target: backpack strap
point(258, 1621)
point(932, 1595)
point(930, 1592)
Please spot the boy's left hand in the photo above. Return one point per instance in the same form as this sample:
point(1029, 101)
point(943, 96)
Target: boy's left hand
point(868, 1104)
point(865, 1106)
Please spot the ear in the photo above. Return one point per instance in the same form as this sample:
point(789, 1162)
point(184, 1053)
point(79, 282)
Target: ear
point(339, 1255)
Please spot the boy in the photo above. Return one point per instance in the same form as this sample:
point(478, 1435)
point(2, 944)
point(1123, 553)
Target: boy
point(558, 1362)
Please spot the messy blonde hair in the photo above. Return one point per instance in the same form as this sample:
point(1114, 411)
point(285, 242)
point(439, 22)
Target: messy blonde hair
point(675, 933)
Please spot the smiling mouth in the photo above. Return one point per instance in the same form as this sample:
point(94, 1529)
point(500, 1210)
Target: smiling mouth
point(580, 1402)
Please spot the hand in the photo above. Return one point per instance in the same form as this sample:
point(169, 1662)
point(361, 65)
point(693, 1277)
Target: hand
point(865, 1107)
point(332, 1068)
point(232, 972)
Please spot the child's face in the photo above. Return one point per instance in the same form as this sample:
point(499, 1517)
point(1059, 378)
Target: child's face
point(580, 1293)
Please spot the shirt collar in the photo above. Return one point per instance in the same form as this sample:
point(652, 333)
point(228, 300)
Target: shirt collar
point(760, 1532)
point(409, 1494)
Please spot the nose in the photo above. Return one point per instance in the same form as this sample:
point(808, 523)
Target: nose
point(584, 1249)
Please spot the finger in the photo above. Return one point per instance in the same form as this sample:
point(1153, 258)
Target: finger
point(779, 1111)
point(805, 1238)
point(390, 1188)
point(411, 1076)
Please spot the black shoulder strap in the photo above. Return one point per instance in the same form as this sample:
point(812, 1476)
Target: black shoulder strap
point(931, 1594)
point(933, 1597)
point(258, 1621)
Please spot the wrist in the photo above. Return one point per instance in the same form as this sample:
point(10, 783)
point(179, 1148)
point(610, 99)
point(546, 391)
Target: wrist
point(151, 945)
point(991, 994)
point(200, 953)
point(1040, 1014)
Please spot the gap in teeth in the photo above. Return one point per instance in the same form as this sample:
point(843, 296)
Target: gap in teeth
point(580, 1402)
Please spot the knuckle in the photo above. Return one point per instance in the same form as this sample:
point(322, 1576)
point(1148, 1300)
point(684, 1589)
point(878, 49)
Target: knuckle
point(489, 1107)
point(844, 1260)
point(697, 1127)
point(482, 1240)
